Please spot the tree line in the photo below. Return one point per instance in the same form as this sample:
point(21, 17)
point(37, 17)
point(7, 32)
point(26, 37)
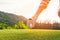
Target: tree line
point(20, 25)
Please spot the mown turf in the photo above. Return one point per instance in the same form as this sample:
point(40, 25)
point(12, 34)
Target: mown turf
point(29, 34)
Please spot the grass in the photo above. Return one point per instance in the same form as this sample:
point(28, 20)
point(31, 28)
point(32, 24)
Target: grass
point(29, 34)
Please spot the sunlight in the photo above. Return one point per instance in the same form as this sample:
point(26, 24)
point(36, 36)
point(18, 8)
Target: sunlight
point(28, 8)
point(50, 13)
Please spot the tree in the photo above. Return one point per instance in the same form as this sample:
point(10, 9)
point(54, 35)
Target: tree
point(3, 26)
point(21, 25)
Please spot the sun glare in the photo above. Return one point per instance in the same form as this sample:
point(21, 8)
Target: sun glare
point(28, 8)
point(50, 14)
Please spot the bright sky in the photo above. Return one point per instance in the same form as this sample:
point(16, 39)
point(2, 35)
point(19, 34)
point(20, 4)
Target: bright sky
point(28, 8)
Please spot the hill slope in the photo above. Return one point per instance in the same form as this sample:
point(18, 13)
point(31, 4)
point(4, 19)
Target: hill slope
point(10, 19)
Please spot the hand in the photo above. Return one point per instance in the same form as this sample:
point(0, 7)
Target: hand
point(31, 23)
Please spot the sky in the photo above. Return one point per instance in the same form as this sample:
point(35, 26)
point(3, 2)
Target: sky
point(28, 8)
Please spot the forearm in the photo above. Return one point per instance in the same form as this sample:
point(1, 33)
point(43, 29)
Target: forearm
point(43, 5)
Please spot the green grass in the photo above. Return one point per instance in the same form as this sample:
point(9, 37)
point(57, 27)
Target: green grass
point(29, 34)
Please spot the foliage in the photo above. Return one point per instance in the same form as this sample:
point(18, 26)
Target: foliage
point(3, 26)
point(10, 19)
point(58, 26)
point(21, 25)
point(9, 27)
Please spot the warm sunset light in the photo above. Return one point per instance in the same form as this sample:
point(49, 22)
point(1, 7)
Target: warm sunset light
point(29, 19)
point(28, 8)
point(51, 13)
